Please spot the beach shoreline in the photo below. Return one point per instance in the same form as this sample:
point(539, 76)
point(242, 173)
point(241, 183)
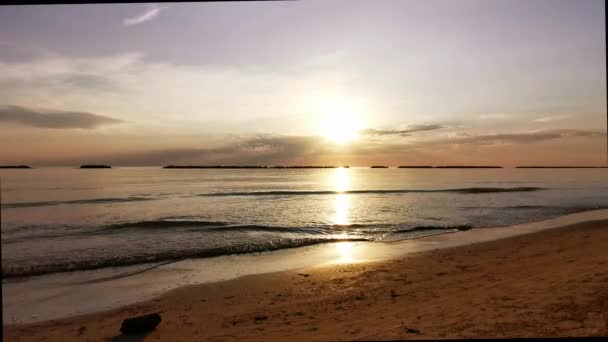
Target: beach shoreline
point(69, 294)
point(418, 294)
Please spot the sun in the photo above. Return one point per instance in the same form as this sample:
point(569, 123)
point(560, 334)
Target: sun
point(340, 128)
point(339, 122)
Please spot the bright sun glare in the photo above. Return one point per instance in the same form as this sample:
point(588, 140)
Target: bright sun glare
point(340, 122)
point(340, 128)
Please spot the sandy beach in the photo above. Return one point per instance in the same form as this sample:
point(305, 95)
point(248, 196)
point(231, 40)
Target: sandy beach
point(549, 283)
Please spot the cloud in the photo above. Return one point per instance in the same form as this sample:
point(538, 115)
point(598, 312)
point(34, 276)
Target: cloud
point(186, 97)
point(66, 82)
point(256, 150)
point(261, 149)
point(551, 118)
point(53, 119)
point(494, 116)
point(405, 132)
point(523, 138)
point(152, 12)
point(266, 149)
point(271, 150)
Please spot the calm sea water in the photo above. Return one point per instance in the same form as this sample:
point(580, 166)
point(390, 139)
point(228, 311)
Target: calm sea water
point(60, 219)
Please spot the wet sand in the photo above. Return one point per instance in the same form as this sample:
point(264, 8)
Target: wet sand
point(548, 283)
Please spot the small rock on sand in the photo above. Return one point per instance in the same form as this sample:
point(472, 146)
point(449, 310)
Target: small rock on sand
point(140, 324)
point(260, 318)
point(411, 331)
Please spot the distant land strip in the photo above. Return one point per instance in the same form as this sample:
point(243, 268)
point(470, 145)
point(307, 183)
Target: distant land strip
point(247, 167)
point(323, 167)
point(95, 166)
point(467, 167)
point(561, 167)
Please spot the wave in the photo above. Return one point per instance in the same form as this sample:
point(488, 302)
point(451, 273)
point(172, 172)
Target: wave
point(479, 190)
point(162, 224)
point(216, 226)
point(371, 231)
point(225, 227)
point(112, 228)
point(159, 225)
point(13, 271)
point(462, 227)
point(82, 201)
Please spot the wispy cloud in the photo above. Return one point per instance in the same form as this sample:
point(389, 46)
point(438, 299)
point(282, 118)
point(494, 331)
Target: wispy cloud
point(404, 132)
point(152, 12)
point(524, 137)
point(53, 119)
point(261, 149)
point(188, 97)
point(494, 116)
point(551, 118)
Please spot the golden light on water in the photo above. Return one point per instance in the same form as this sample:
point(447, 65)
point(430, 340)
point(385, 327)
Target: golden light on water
point(341, 183)
point(345, 252)
point(341, 180)
point(342, 210)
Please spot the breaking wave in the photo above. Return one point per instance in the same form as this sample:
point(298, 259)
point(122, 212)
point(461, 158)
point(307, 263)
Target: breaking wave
point(11, 271)
point(388, 191)
point(81, 201)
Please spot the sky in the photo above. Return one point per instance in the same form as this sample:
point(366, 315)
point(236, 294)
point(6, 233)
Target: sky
point(391, 82)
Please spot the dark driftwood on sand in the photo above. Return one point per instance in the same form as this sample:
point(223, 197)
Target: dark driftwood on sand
point(378, 167)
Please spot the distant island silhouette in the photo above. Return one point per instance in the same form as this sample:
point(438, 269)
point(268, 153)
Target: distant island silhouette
point(100, 166)
point(303, 167)
point(247, 167)
point(214, 167)
point(93, 166)
point(15, 167)
point(561, 167)
point(467, 167)
point(372, 167)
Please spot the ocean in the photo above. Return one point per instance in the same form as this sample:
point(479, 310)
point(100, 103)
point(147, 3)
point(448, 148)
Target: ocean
point(69, 219)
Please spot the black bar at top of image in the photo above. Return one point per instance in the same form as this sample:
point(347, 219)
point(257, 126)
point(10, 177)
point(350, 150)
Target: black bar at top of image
point(29, 2)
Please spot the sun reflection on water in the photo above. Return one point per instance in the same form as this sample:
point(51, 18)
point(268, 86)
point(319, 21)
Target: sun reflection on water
point(345, 252)
point(342, 206)
point(341, 183)
point(341, 179)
